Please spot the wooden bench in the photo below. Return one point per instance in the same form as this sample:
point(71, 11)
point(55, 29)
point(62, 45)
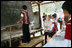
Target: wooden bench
point(34, 42)
point(36, 31)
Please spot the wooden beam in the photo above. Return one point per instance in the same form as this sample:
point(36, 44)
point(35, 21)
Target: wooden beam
point(49, 3)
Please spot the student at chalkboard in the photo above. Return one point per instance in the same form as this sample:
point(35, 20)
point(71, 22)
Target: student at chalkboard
point(25, 26)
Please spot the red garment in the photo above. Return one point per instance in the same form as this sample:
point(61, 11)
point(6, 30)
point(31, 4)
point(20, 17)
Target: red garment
point(25, 13)
point(68, 30)
point(44, 19)
point(55, 29)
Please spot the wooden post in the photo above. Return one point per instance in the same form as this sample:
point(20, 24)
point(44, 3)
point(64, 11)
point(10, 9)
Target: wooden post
point(39, 15)
point(41, 32)
point(10, 36)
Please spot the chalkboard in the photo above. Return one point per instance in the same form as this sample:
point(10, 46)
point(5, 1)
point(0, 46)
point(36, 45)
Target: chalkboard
point(11, 11)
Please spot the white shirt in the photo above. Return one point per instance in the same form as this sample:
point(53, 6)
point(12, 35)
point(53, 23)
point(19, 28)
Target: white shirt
point(48, 25)
point(69, 18)
point(25, 17)
point(21, 15)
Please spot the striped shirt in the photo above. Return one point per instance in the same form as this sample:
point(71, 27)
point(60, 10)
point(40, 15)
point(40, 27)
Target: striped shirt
point(24, 14)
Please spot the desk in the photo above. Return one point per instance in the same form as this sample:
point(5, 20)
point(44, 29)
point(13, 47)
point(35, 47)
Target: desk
point(58, 42)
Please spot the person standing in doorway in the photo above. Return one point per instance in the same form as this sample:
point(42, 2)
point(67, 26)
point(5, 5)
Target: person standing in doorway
point(44, 16)
point(25, 26)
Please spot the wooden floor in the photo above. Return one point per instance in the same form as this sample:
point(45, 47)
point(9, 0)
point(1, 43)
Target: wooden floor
point(34, 42)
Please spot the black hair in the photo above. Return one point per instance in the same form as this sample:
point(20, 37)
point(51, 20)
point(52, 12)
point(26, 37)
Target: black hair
point(43, 16)
point(24, 7)
point(54, 15)
point(49, 16)
point(59, 20)
point(67, 6)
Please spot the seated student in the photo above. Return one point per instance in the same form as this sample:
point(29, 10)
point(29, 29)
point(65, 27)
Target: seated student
point(50, 28)
point(67, 13)
point(47, 24)
point(54, 28)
